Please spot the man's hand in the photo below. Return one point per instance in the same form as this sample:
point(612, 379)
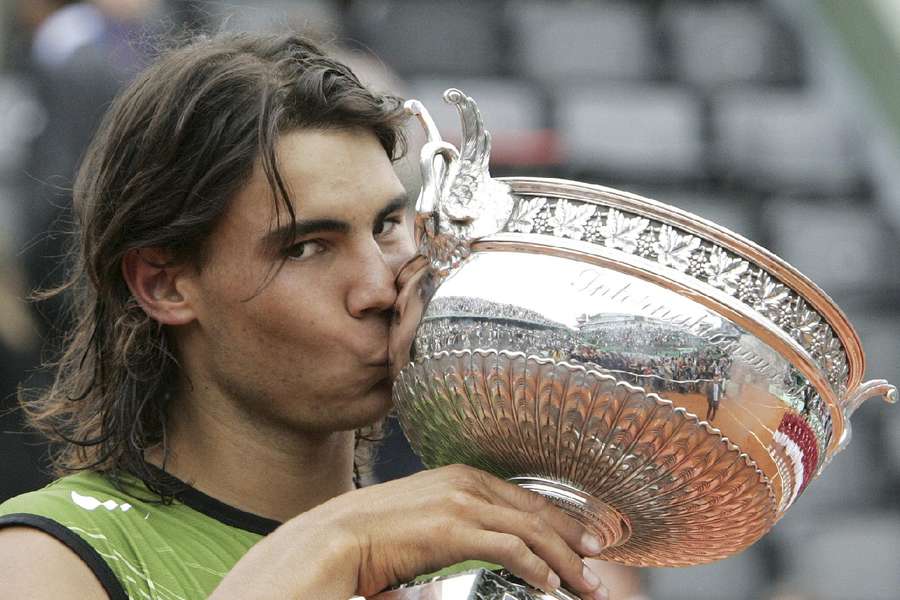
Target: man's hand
point(365, 541)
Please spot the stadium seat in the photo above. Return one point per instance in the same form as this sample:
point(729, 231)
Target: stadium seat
point(735, 578)
point(790, 142)
point(880, 334)
point(559, 43)
point(309, 16)
point(723, 43)
point(891, 445)
point(430, 37)
point(641, 131)
point(840, 245)
point(844, 556)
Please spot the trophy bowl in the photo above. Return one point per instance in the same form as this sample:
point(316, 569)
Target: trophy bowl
point(668, 383)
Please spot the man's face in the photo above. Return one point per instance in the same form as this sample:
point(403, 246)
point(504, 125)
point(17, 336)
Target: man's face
point(306, 349)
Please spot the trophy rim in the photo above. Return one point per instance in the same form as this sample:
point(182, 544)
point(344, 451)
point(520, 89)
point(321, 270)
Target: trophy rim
point(783, 271)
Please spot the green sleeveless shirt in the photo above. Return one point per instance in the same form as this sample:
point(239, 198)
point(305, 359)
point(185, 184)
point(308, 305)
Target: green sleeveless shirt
point(144, 550)
point(138, 549)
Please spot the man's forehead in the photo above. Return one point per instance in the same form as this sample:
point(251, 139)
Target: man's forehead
point(353, 209)
point(338, 175)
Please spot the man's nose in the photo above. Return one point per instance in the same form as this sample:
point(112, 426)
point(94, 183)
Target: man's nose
point(372, 286)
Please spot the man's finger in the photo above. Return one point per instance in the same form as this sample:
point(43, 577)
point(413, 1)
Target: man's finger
point(543, 540)
point(574, 533)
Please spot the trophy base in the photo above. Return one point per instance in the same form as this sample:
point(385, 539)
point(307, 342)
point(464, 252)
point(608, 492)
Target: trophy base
point(479, 584)
point(597, 517)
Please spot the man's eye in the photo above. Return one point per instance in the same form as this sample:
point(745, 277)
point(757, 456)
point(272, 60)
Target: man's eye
point(304, 250)
point(387, 226)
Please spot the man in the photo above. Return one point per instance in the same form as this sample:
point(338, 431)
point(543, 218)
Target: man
point(241, 228)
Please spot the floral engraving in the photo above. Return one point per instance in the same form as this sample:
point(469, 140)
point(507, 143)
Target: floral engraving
point(646, 244)
point(746, 290)
point(688, 253)
point(806, 321)
point(569, 219)
point(593, 231)
point(824, 344)
point(785, 314)
point(674, 249)
point(767, 295)
point(724, 271)
point(623, 232)
point(525, 217)
point(697, 263)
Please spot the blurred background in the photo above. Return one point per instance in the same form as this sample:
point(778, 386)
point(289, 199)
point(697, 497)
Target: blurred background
point(779, 119)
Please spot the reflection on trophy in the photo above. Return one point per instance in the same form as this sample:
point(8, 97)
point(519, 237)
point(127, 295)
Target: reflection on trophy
point(671, 385)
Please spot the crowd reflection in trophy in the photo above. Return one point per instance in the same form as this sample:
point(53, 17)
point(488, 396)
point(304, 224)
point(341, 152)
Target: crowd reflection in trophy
point(657, 357)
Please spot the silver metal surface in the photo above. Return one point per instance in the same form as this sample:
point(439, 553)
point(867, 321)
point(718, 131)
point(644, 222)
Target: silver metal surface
point(473, 585)
point(670, 384)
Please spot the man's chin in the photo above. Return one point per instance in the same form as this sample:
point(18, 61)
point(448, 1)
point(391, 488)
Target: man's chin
point(372, 407)
point(350, 412)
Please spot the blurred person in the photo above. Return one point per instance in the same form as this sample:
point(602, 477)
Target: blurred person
point(81, 54)
point(240, 230)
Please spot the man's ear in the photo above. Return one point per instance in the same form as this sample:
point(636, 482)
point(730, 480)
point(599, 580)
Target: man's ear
point(155, 281)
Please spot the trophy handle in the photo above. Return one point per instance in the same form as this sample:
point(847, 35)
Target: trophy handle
point(869, 389)
point(459, 201)
point(435, 158)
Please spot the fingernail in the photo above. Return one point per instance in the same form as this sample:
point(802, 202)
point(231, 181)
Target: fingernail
point(553, 582)
point(591, 544)
point(601, 593)
point(590, 577)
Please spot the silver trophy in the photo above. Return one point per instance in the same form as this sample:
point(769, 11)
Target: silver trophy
point(669, 384)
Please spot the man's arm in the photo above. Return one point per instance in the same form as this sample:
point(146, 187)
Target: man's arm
point(34, 564)
point(362, 542)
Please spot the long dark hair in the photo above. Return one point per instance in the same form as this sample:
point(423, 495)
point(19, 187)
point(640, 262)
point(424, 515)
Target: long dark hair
point(171, 152)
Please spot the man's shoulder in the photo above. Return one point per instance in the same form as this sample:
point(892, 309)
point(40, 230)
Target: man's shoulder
point(83, 509)
point(129, 537)
point(77, 511)
point(73, 496)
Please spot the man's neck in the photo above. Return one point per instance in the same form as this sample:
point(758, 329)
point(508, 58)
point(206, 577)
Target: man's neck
point(261, 472)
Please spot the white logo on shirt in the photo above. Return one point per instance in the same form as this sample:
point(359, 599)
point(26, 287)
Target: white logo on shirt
point(91, 503)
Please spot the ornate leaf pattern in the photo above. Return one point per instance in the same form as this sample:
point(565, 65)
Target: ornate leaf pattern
point(621, 231)
point(767, 295)
point(823, 341)
point(724, 271)
point(569, 219)
point(806, 322)
point(526, 213)
point(674, 249)
point(680, 250)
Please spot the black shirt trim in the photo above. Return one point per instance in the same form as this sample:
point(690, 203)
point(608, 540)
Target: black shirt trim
point(216, 509)
point(76, 544)
point(225, 513)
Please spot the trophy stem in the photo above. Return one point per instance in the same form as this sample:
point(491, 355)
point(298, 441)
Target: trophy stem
point(602, 520)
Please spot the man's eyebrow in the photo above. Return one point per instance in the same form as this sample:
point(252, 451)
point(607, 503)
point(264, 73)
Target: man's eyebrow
point(397, 203)
point(276, 237)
